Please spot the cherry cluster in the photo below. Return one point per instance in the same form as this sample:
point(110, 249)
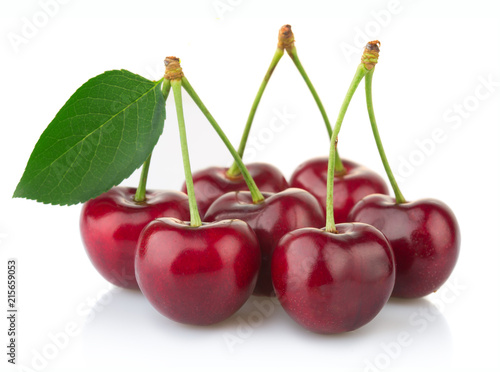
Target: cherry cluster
point(199, 254)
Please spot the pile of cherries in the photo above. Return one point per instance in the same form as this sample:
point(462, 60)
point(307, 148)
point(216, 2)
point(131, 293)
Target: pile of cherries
point(198, 255)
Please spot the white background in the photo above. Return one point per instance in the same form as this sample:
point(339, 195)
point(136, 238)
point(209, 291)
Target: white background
point(434, 59)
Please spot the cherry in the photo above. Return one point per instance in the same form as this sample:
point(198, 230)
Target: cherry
point(351, 185)
point(111, 223)
point(192, 272)
point(333, 282)
point(210, 183)
point(197, 275)
point(270, 219)
point(338, 278)
point(424, 236)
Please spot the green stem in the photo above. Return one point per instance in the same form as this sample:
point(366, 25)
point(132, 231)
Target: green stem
point(165, 88)
point(295, 58)
point(339, 167)
point(254, 190)
point(330, 220)
point(140, 193)
point(234, 170)
point(193, 207)
point(369, 104)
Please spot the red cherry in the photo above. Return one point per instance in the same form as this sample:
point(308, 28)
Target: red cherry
point(278, 214)
point(424, 236)
point(213, 182)
point(111, 223)
point(333, 282)
point(197, 275)
point(351, 187)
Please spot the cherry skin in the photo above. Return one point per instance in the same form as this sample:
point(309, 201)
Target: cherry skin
point(357, 182)
point(111, 223)
point(197, 275)
point(213, 182)
point(271, 219)
point(424, 236)
point(333, 282)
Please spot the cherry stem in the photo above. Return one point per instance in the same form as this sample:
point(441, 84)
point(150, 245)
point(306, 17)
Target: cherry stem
point(234, 170)
point(140, 193)
point(193, 207)
point(292, 52)
point(165, 88)
point(368, 61)
point(257, 196)
point(330, 220)
point(369, 104)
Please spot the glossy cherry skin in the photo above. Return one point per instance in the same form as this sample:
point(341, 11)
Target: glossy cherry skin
point(357, 182)
point(210, 183)
point(197, 275)
point(332, 283)
point(278, 214)
point(111, 223)
point(424, 236)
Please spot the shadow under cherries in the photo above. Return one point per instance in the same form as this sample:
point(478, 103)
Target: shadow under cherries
point(128, 325)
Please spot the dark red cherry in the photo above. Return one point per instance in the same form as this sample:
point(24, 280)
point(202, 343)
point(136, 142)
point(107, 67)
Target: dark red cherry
point(333, 282)
point(350, 187)
point(424, 236)
point(111, 223)
point(213, 182)
point(197, 275)
point(278, 214)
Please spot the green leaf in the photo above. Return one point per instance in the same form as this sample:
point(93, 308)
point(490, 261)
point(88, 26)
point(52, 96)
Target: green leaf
point(102, 134)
